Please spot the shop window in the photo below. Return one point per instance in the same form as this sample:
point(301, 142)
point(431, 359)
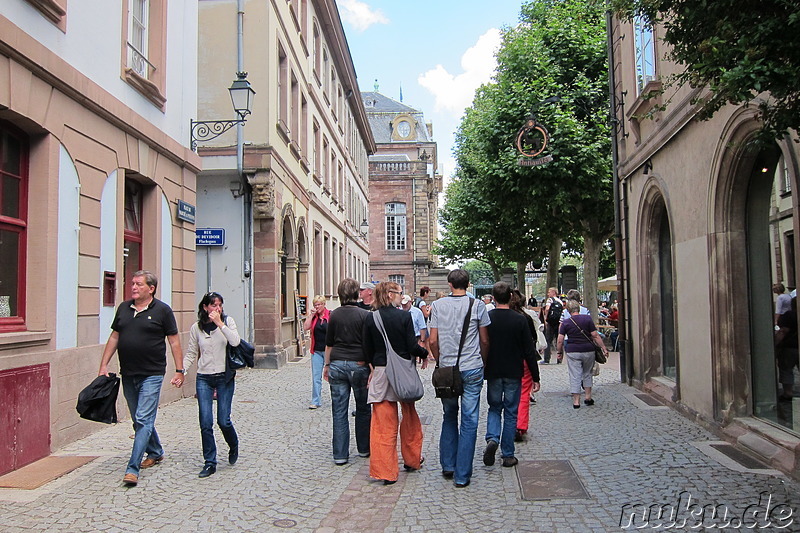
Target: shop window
point(13, 227)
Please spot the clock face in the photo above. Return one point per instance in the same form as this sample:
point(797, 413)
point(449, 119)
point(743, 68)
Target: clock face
point(404, 129)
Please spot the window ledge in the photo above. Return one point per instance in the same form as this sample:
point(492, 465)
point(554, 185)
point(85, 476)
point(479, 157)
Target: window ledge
point(24, 339)
point(149, 89)
point(50, 9)
point(283, 130)
point(642, 104)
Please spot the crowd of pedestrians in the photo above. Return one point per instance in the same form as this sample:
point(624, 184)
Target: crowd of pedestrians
point(494, 340)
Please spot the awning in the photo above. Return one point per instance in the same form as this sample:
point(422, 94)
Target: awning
point(608, 284)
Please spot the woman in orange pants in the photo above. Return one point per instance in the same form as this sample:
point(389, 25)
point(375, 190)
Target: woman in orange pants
point(384, 426)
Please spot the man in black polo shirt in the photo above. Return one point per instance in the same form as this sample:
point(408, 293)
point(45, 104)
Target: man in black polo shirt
point(139, 329)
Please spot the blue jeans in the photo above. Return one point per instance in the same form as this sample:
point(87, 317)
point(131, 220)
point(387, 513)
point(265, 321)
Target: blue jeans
point(342, 377)
point(503, 396)
point(142, 394)
point(317, 362)
point(457, 445)
point(206, 383)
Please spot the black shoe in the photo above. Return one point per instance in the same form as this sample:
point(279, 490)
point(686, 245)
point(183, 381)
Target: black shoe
point(509, 461)
point(461, 485)
point(519, 436)
point(410, 469)
point(233, 455)
point(389, 481)
point(207, 471)
point(489, 452)
point(448, 474)
point(576, 406)
point(589, 402)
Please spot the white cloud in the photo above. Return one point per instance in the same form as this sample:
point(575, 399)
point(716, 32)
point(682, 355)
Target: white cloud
point(454, 92)
point(360, 15)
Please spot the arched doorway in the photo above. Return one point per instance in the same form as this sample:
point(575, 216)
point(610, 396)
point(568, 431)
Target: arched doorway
point(770, 237)
point(659, 347)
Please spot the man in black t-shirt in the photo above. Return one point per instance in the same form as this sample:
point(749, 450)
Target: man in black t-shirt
point(139, 331)
point(510, 346)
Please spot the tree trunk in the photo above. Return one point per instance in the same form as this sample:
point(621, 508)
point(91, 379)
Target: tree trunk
point(496, 274)
point(591, 263)
point(521, 276)
point(553, 263)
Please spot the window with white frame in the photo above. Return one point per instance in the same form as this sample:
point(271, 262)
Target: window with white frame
point(645, 52)
point(138, 37)
point(400, 279)
point(395, 214)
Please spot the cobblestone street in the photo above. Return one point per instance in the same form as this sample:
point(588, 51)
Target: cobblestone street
point(624, 452)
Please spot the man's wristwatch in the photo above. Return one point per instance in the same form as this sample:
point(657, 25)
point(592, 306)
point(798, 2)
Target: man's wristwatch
point(181, 371)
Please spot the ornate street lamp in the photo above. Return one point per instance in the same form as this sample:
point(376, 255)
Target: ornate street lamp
point(241, 97)
point(364, 228)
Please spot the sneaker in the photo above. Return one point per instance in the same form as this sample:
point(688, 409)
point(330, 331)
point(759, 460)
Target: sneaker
point(313, 406)
point(489, 452)
point(461, 485)
point(509, 461)
point(207, 471)
point(340, 462)
point(363, 454)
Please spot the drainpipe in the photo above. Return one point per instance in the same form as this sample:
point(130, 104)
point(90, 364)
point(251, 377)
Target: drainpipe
point(626, 355)
point(247, 212)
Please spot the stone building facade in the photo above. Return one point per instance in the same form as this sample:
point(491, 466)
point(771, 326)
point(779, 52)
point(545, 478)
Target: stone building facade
point(709, 223)
point(289, 188)
point(404, 193)
point(95, 160)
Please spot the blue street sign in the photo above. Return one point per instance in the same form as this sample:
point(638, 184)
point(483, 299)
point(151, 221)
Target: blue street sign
point(186, 211)
point(209, 237)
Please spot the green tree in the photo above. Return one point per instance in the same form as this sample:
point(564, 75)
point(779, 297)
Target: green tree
point(737, 48)
point(523, 213)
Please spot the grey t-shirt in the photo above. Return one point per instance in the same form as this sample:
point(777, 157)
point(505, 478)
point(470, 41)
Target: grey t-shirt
point(447, 316)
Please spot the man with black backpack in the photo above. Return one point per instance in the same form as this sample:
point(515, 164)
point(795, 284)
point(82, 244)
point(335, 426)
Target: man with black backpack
point(552, 316)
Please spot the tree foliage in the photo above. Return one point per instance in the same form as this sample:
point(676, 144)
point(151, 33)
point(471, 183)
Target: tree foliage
point(737, 48)
point(498, 211)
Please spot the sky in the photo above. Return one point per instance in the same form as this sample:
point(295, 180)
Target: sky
point(438, 51)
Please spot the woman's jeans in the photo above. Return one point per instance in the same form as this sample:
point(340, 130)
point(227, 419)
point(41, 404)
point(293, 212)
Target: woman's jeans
point(457, 444)
point(206, 383)
point(342, 377)
point(317, 362)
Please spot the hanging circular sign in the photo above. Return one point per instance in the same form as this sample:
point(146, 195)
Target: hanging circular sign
point(532, 138)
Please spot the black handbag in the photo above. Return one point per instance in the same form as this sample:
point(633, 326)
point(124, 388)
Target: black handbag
point(241, 355)
point(447, 379)
point(599, 356)
point(98, 401)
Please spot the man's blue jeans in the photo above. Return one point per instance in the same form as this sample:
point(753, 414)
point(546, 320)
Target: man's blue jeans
point(206, 383)
point(342, 377)
point(317, 362)
point(457, 445)
point(142, 394)
point(502, 395)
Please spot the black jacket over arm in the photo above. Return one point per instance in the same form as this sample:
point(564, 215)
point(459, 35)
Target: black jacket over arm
point(400, 331)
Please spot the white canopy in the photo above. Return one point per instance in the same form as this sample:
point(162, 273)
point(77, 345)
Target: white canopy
point(608, 284)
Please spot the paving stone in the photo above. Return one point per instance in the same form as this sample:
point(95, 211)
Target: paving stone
point(622, 454)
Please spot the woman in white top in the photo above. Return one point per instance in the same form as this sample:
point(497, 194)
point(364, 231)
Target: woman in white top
point(209, 337)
